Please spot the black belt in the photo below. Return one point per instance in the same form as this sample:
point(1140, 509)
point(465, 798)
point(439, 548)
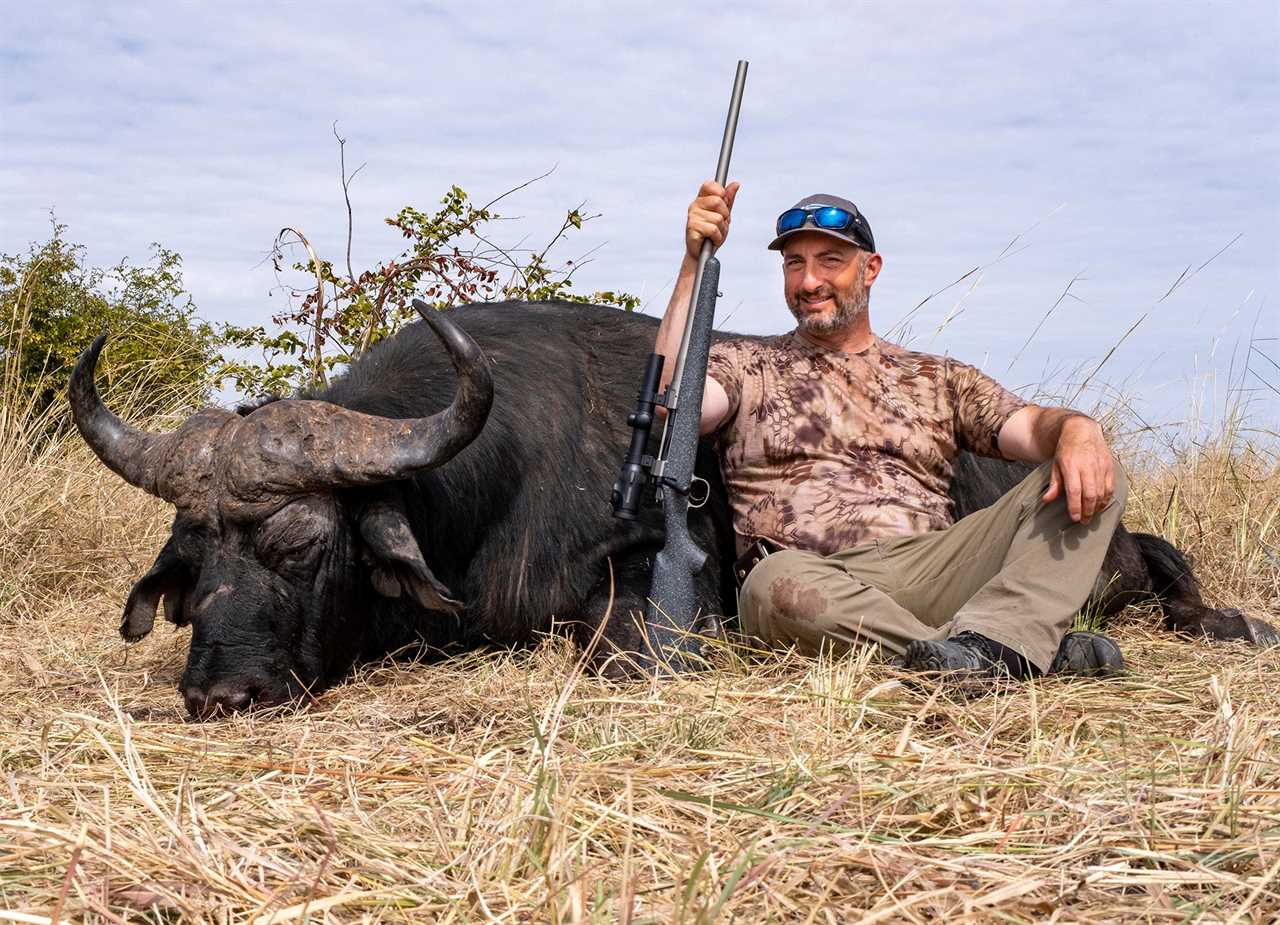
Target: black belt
point(758, 548)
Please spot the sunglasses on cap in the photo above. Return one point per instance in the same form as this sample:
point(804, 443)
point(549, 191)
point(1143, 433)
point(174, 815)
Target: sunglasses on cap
point(830, 218)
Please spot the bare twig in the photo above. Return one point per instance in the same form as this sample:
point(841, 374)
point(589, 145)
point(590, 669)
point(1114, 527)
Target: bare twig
point(378, 316)
point(317, 359)
point(515, 189)
point(346, 195)
point(56, 915)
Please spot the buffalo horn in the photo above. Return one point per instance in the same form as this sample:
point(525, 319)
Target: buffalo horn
point(440, 437)
point(436, 439)
point(132, 454)
point(345, 447)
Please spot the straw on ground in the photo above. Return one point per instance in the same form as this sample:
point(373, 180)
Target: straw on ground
point(511, 787)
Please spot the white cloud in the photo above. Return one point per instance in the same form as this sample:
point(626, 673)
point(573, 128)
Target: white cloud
point(207, 128)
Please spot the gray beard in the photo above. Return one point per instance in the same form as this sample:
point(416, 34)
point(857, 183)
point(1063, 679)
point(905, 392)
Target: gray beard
point(847, 312)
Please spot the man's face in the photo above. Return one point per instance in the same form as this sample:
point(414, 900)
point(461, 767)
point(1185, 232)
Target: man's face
point(826, 281)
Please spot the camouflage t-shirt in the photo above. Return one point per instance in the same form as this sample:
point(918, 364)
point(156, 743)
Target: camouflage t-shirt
point(824, 450)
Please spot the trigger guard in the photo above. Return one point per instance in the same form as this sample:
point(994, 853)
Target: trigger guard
point(697, 500)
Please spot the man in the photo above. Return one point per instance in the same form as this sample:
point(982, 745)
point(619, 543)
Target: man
point(837, 449)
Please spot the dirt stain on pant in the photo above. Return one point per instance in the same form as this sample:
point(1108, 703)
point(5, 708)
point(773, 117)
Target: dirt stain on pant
point(791, 600)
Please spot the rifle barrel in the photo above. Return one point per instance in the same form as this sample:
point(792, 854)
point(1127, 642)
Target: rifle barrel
point(731, 123)
point(722, 175)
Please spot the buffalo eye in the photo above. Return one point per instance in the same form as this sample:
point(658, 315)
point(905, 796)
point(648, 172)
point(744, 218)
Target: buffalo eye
point(292, 536)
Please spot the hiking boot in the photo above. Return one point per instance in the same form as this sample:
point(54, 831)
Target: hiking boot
point(963, 655)
point(1088, 655)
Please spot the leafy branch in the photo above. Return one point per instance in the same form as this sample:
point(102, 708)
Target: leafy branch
point(450, 258)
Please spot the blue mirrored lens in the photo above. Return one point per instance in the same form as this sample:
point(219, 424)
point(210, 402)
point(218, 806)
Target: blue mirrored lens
point(791, 220)
point(831, 217)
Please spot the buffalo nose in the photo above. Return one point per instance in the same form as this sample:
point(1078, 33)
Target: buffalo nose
point(222, 699)
point(195, 700)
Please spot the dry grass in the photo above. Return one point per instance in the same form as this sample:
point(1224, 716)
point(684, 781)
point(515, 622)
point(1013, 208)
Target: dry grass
point(509, 787)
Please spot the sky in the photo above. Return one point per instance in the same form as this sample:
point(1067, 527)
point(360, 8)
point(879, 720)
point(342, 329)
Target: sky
point(1112, 147)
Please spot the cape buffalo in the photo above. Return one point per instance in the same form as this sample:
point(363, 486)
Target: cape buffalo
point(414, 503)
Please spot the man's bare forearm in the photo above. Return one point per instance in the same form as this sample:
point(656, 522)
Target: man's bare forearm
point(1084, 469)
point(673, 320)
point(1046, 429)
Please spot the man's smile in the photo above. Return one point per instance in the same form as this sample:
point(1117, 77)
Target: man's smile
point(815, 301)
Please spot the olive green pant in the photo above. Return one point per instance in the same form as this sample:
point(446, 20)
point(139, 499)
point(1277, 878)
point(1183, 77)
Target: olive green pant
point(1016, 572)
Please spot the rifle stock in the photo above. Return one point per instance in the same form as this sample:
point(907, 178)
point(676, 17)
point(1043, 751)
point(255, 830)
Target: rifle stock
point(671, 614)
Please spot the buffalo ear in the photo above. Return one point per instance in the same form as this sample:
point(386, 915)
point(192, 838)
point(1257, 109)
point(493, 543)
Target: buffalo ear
point(165, 580)
point(398, 566)
point(168, 579)
point(140, 608)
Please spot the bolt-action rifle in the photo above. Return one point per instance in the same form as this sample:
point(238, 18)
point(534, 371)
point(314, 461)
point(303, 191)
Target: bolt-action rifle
point(668, 478)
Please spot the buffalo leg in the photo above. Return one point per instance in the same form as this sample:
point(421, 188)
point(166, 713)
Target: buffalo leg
point(1174, 585)
point(1124, 578)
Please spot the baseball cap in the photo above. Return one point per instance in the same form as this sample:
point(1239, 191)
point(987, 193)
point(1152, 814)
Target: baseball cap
point(857, 231)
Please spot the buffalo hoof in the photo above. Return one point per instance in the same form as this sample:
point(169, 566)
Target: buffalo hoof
point(1230, 623)
point(1261, 633)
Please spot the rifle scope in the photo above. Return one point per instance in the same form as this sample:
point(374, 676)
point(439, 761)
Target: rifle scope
point(629, 490)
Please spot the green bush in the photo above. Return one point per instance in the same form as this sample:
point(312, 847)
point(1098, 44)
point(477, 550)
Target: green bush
point(53, 304)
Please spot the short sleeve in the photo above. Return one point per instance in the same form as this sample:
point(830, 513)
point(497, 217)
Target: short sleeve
point(981, 408)
point(725, 364)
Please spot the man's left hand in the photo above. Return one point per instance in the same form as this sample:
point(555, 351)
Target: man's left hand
point(1083, 469)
